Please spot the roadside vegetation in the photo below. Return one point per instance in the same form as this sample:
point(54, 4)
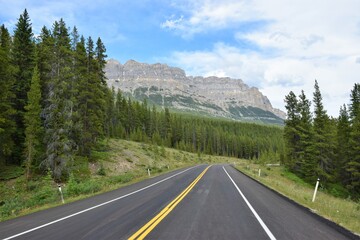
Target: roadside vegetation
point(342, 211)
point(320, 146)
point(115, 163)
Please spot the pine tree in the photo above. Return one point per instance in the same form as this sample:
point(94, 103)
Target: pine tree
point(23, 60)
point(75, 38)
point(354, 107)
point(59, 115)
point(291, 133)
point(343, 145)
point(91, 97)
point(322, 146)
point(7, 111)
point(45, 63)
point(100, 55)
point(305, 132)
point(353, 165)
point(33, 130)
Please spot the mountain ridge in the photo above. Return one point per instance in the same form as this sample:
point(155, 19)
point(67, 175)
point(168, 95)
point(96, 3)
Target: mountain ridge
point(170, 87)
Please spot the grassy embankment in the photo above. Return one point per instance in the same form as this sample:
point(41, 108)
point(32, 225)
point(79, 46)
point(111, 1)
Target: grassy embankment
point(342, 211)
point(116, 163)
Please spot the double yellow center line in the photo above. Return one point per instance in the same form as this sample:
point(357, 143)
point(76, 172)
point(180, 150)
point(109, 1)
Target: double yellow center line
point(148, 227)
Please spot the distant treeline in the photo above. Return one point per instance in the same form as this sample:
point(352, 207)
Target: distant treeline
point(138, 122)
point(318, 146)
point(55, 105)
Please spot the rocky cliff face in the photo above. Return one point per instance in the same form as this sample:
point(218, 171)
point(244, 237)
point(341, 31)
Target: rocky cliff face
point(213, 96)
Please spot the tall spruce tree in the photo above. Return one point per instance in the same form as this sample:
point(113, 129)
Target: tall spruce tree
point(59, 122)
point(100, 57)
point(7, 111)
point(33, 130)
point(305, 132)
point(343, 145)
point(75, 38)
point(322, 149)
point(354, 107)
point(353, 165)
point(291, 133)
point(23, 60)
point(45, 63)
point(80, 70)
point(91, 97)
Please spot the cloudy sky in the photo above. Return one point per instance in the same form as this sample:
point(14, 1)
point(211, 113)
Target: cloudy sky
point(276, 45)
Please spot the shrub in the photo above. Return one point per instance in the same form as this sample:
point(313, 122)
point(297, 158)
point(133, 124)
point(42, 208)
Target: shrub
point(101, 171)
point(75, 188)
point(45, 195)
point(124, 178)
point(338, 191)
point(11, 207)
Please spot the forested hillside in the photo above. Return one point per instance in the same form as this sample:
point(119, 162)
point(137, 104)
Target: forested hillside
point(56, 106)
point(318, 146)
point(138, 122)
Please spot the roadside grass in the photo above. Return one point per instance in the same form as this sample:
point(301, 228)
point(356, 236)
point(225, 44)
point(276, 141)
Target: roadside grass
point(342, 211)
point(117, 163)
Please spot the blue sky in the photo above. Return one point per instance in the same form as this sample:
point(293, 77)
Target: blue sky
point(275, 45)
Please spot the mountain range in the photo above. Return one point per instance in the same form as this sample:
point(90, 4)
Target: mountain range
point(170, 87)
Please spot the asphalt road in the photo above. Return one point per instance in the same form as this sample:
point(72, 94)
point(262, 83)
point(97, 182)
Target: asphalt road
point(192, 203)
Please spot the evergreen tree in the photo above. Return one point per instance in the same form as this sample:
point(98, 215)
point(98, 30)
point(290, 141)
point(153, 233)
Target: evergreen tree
point(75, 38)
point(323, 151)
point(305, 132)
point(291, 133)
point(33, 130)
point(45, 63)
point(100, 55)
point(59, 118)
point(353, 165)
point(7, 111)
point(354, 108)
point(343, 145)
point(23, 60)
point(91, 97)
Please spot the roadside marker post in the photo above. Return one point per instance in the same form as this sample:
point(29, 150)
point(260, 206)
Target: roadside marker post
point(316, 188)
point(259, 172)
point(149, 172)
point(61, 194)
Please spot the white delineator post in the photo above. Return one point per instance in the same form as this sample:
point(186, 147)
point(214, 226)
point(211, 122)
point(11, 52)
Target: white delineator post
point(61, 194)
point(149, 172)
point(316, 188)
point(259, 172)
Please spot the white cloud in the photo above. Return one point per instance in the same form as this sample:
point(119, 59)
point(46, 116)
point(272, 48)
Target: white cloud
point(275, 77)
point(300, 42)
point(204, 15)
point(173, 23)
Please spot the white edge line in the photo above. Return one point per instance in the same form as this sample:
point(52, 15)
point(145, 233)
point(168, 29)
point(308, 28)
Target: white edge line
point(99, 205)
point(271, 236)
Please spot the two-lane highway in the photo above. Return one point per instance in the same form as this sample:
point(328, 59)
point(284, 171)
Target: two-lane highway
point(202, 202)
